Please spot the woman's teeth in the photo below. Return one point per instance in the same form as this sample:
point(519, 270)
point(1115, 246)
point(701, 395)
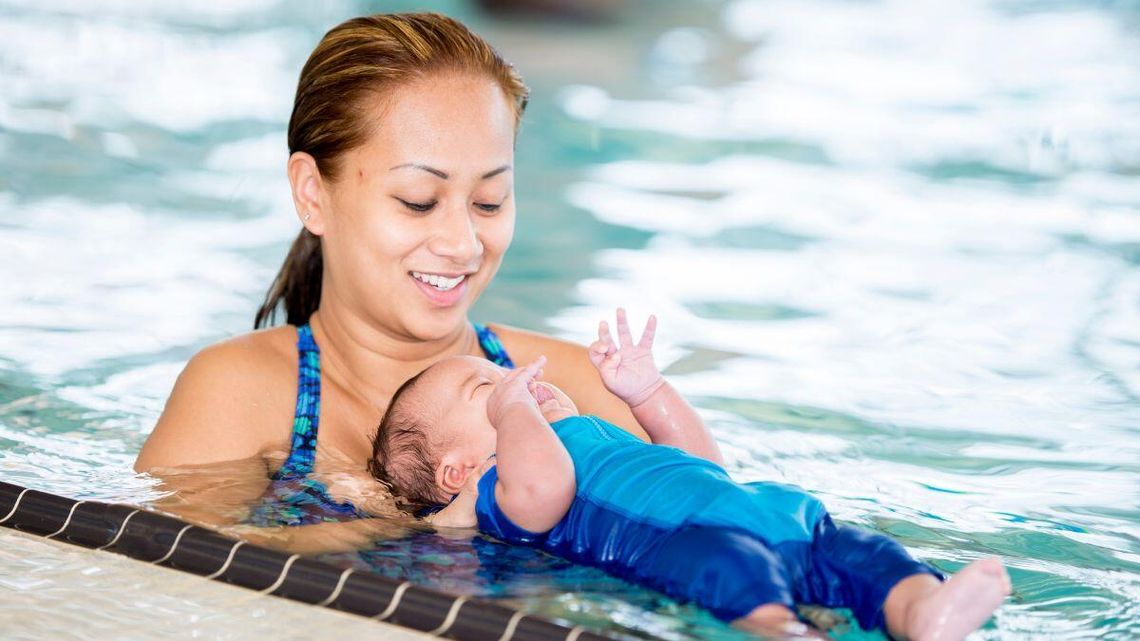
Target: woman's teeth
point(442, 283)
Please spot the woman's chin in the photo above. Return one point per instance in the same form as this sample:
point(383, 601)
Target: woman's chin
point(432, 314)
point(436, 323)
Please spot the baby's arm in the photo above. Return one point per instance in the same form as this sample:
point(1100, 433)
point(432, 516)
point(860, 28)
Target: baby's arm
point(630, 373)
point(536, 475)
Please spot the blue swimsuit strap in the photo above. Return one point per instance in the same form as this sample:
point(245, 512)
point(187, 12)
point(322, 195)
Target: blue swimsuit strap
point(306, 419)
point(492, 347)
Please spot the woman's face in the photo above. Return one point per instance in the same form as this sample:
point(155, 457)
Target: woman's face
point(416, 224)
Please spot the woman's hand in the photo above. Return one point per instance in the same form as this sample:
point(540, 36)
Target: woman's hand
point(627, 371)
point(515, 390)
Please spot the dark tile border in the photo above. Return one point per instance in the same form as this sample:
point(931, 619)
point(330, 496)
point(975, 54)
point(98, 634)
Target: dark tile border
point(169, 542)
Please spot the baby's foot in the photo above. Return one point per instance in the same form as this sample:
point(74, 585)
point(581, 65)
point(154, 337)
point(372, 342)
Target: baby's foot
point(961, 605)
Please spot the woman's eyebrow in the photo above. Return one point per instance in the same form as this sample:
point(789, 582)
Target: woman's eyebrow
point(444, 175)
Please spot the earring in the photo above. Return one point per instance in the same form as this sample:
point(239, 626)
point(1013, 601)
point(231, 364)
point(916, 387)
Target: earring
point(307, 216)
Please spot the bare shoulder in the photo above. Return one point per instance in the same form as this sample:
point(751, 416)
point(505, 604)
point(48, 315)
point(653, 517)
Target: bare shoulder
point(247, 361)
point(568, 367)
point(233, 400)
point(567, 363)
point(525, 345)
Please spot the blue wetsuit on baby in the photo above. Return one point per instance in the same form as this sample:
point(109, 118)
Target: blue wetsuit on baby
point(661, 517)
point(294, 497)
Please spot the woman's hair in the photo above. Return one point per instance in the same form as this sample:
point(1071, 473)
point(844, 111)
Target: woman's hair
point(356, 61)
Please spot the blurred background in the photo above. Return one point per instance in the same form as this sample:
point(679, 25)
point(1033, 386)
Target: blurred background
point(894, 246)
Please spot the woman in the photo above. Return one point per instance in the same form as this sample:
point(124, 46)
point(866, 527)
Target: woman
point(401, 165)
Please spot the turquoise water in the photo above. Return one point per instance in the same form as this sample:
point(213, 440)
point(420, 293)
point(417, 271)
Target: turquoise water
point(894, 246)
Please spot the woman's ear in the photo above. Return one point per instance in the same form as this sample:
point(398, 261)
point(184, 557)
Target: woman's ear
point(308, 191)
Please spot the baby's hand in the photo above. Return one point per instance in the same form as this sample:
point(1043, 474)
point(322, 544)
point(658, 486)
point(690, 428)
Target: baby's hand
point(628, 371)
point(514, 389)
point(554, 404)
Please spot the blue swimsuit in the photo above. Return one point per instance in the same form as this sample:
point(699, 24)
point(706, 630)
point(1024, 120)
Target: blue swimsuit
point(293, 497)
point(663, 518)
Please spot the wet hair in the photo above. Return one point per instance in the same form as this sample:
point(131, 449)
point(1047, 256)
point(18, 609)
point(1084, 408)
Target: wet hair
point(358, 60)
point(401, 451)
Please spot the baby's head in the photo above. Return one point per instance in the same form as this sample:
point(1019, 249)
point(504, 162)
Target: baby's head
point(436, 433)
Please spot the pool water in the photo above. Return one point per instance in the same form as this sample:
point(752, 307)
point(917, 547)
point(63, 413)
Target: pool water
point(894, 247)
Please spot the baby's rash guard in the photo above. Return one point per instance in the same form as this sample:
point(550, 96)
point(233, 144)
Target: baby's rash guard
point(631, 494)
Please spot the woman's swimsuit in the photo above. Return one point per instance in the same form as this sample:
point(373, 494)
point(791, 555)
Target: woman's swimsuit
point(294, 497)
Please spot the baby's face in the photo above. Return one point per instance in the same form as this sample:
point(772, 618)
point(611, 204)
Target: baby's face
point(454, 392)
point(459, 388)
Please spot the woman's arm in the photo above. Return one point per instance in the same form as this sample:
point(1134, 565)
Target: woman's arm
point(320, 538)
point(210, 447)
point(568, 367)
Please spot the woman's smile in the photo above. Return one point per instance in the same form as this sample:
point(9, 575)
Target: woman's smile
point(444, 290)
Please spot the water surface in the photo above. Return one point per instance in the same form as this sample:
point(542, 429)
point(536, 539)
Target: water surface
point(894, 247)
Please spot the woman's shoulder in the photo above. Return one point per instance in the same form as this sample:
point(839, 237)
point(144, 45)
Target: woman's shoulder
point(255, 366)
point(525, 345)
point(229, 402)
point(260, 349)
point(567, 363)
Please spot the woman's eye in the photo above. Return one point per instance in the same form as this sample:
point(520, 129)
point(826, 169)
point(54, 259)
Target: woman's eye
point(489, 208)
point(418, 207)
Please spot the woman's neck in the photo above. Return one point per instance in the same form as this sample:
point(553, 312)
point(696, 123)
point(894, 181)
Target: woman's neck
point(370, 362)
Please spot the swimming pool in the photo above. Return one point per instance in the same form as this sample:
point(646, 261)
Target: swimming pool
point(895, 249)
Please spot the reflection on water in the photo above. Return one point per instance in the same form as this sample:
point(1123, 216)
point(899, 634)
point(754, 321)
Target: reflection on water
point(894, 246)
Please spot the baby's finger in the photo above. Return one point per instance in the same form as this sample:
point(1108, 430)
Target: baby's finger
point(530, 371)
point(517, 374)
point(510, 376)
point(604, 334)
point(623, 329)
point(646, 341)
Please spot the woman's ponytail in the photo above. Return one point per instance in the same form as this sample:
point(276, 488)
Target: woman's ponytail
point(297, 285)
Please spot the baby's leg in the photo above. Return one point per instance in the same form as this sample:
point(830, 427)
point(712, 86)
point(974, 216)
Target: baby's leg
point(886, 588)
point(730, 572)
point(920, 608)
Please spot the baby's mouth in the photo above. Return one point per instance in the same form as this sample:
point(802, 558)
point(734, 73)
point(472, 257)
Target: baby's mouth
point(439, 281)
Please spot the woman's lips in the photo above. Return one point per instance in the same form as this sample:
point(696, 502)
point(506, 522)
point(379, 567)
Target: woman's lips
point(442, 298)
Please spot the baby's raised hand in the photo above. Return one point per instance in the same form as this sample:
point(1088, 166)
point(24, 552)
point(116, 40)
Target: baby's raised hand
point(627, 370)
point(514, 389)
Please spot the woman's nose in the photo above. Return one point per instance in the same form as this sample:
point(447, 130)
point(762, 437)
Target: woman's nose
point(456, 237)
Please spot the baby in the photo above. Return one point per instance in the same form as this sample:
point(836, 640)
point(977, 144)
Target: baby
point(509, 453)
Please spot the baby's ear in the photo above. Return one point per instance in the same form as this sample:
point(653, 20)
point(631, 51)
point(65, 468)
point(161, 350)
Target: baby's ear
point(451, 477)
